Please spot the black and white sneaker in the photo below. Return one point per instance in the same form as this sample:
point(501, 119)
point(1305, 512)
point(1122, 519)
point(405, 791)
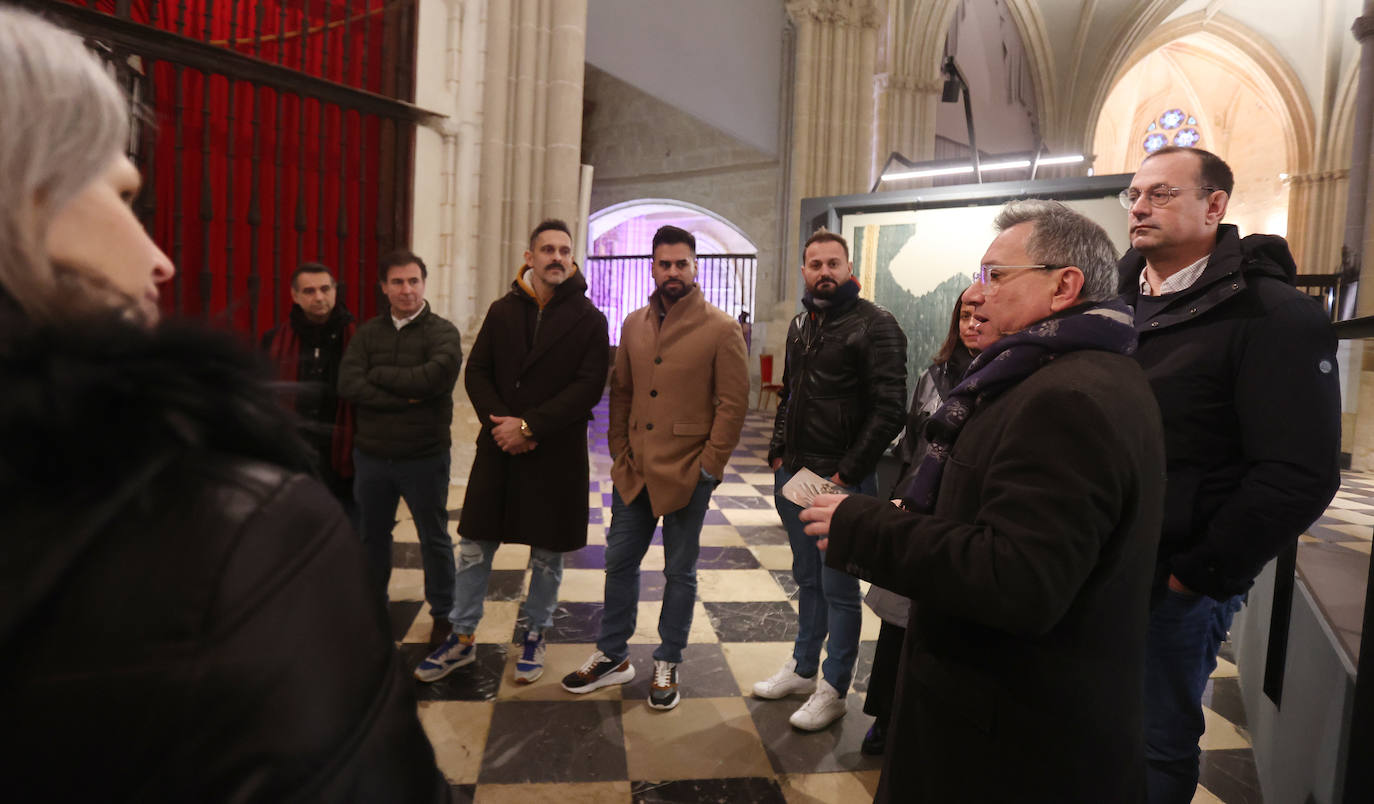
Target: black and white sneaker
point(597, 672)
point(663, 694)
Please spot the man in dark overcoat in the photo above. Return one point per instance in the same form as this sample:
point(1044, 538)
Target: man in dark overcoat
point(305, 351)
point(1028, 542)
point(537, 368)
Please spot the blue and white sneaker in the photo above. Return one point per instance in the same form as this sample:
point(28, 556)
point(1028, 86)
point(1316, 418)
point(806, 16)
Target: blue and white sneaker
point(456, 651)
point(530, 666)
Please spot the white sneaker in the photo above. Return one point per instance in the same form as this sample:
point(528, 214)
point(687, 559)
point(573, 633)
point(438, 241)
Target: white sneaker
point(825, 706)
point(785, 682)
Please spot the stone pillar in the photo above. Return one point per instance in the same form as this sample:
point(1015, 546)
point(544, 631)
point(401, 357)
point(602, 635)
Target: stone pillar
point(832, 110)
point(531, 129)
point(904, 122)
point(1316, 209)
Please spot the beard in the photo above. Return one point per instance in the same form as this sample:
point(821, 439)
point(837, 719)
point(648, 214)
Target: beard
point(824, 289)
point(674, 289)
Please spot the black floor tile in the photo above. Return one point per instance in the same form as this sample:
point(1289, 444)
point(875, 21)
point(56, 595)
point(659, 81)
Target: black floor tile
point(835, 748)
point(593, 556)
point(1231, 776)
point(1222, 695)
point(478, 681)
point(406, 555)
point(763, 534)
point(759, 503)
point(554, 741)
point(863, 668)
point(402, 613)
point(455, 514)
point(786, 581)
point(704, 673)
point(762, 621)
point(726, 558)
point(462, 793)
point(693, 791)
point(506, 585)
point(572, 622)
point(651, 583)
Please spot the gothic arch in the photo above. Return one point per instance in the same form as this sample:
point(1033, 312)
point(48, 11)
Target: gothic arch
point(1260, 65)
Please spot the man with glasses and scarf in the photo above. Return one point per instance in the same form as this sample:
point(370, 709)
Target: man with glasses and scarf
point(1027, 539)
point(1244, 368)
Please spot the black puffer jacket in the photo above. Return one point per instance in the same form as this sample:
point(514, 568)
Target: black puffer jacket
point(401, 382)
point(1244, 368)
point(185, 616)
point(843, 396)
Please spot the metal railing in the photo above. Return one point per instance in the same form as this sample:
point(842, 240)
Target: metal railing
point(620, 285)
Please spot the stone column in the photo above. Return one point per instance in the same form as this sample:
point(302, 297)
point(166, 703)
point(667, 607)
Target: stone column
point(531, 131)
point(904, 120)
point(832, 112)
point(1316, 209)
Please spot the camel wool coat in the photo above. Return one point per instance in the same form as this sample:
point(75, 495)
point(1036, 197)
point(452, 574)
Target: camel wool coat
point(678, 395)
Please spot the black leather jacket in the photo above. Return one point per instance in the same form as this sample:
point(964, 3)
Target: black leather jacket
point(843, 396)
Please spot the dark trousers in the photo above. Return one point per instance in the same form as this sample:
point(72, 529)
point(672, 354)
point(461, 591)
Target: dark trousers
point(378, 485)
point(882, 680)
point(1180, 654)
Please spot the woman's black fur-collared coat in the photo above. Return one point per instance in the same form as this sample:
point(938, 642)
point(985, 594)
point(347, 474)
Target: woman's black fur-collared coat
point(186, 611)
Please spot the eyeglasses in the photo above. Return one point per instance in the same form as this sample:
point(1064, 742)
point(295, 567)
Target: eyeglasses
point(992, 277)
point(1160, 195)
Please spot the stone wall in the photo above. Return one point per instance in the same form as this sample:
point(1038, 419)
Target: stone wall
point(644, 147)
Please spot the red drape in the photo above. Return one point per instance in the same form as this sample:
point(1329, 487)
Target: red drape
point(313, 166)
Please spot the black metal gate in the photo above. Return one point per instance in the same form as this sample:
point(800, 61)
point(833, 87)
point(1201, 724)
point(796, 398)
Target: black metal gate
point(271, 133)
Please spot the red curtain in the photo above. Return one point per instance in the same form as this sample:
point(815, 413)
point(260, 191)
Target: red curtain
point(317, 166)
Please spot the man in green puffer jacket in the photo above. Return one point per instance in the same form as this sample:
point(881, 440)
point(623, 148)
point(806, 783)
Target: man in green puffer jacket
point(399, 372)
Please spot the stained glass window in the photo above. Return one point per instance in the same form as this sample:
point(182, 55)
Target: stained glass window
point(1169, 129)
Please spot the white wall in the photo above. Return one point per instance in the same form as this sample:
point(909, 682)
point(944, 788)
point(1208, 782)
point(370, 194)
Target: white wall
point(718, 60)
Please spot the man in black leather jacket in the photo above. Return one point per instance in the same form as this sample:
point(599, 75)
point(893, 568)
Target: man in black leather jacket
point(843, 400)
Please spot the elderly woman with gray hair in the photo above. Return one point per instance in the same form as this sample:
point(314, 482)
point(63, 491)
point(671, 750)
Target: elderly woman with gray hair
point(186, 615)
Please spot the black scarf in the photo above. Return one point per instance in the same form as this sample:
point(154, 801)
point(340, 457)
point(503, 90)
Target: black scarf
point(843, 296)
point(1107, 326)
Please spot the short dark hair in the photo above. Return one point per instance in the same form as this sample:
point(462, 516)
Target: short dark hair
point(1212, 170)
point(672, 235)
point(825, 236)
point(549, 225)
point(398, 258)
point(310, 268)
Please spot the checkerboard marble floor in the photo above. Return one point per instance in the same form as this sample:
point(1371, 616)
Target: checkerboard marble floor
point(499, 742)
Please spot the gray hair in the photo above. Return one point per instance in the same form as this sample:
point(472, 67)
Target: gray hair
point(65, 121)
point(1060, 236)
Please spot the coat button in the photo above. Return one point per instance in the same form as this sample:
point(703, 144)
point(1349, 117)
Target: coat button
point(649, 426)
point(1192, 311)
point(658, 360)
point(653, 392)
point(1154, 323)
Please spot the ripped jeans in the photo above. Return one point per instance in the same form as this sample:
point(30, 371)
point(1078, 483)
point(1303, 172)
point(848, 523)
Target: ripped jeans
point(474, 570)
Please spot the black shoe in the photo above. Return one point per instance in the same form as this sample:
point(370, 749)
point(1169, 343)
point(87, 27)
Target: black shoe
point(875, 742)
point(597, 672)
point(663, 694)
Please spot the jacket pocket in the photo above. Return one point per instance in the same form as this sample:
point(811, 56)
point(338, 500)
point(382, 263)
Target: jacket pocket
point(691, 428)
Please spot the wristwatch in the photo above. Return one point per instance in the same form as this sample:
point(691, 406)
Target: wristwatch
point(525, 429)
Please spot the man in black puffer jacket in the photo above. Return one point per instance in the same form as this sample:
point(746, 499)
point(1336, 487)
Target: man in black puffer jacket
point(843, 400)
point(1244, 369)
point(399, 372)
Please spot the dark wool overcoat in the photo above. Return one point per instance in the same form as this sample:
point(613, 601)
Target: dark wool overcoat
point(155, 516)
point(549, 368)
point(1030, 588)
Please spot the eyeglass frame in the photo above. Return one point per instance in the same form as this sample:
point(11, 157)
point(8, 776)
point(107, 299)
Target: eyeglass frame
point(981, 277)
point(1126, 201)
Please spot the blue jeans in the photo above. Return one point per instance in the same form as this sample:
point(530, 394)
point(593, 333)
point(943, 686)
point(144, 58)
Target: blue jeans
point(474, 570)
point(828, 600)
point(378, 485)
point(1180, 654)
point(627, 540)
